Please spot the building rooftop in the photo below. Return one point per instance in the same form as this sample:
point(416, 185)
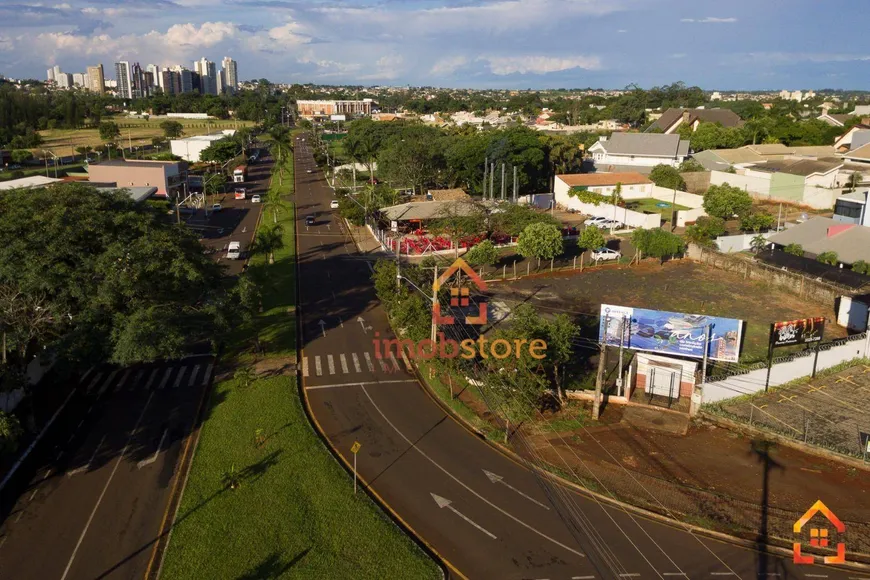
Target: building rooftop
point(599, 179)
point(725, 117)
point(428, 210)
point(133, 163)
point(803, 167)
point(821, 234)
point(447, 194)
point(651, 144)
point(861, 153)
point(137, 194)
point(28, 182)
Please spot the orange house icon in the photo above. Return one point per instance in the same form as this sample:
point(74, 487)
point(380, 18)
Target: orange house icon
point(819, 536)
point(459, 296)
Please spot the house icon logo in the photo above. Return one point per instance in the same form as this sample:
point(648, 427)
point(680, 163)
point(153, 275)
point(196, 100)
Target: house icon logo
point(459, 297)
point(819, 536)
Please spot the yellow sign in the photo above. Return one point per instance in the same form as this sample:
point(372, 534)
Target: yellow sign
point(355, 447)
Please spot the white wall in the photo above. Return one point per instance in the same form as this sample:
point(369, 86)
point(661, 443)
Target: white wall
point(188, 116)
point(603, 159)
point(689, 200)
point(852, 314)
point(829, 180)
point(820, 197)
point(689, 215)
point(539, 200)
point(630, 218)
point(635, 191)
point(739, 243)
point(756, 185)
point(781, 373)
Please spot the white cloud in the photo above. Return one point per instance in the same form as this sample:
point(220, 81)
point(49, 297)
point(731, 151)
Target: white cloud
point(797, 57)
point(448, 66)
point(711, 20)
point(507, 65)
point(621, 31)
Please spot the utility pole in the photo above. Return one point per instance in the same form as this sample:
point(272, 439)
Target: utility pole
point(434, 336)
point(491, 179)
point(778, 217)
point(485, 167)
point(621, 346)
point(502, 182)
point(599, 377)
point(515, 184)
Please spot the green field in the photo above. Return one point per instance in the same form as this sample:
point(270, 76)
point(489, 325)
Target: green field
point(293, 514)
point(650, 205)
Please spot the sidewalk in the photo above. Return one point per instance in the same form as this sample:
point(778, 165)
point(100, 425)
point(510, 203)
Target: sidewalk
point(365, 242)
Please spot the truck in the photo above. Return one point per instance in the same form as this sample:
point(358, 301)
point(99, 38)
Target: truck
point(240, 174)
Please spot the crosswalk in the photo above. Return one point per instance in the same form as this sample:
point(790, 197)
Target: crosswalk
point(352, 363)
point(168, 376)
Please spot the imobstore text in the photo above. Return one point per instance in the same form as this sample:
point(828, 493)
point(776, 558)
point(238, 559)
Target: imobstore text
point(468, 349)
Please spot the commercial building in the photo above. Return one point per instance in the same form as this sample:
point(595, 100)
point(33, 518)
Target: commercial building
point(169, 177)
point(190, 148)
point(96, 79)
point(124, 76)
point(230, 74)
point(324, 109)
point(208, 76)
point(155, 74)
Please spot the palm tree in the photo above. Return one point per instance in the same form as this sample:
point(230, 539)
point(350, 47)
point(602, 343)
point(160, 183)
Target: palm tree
point(269, 239)
point(758, 243)
point(245, 376)
point(274, 203)
point(280, 147)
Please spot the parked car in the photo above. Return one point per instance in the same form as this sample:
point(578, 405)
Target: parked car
point(308, 171)
point(605, 254)
point(14, 166)
point(309, 220)
point(216, 207)
point(608, 224)
point(234, 251)
point(255, 199)
point(333, 204)
point(594, 220)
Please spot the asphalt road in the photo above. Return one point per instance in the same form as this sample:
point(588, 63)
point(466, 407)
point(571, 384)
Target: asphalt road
point(432, 472)
point(90, 501)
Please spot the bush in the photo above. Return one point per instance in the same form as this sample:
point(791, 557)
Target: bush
point(483, 254)
point(10, 433)
point(756, 222)
point(829, 258)
point(706, 228)
point(690, 166)
point(725, 201)
point(657, 243)
point(667, 176)
point(861, 267)
point(794, 250)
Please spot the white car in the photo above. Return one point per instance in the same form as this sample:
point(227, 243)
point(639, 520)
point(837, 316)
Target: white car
point(255, 199)
point(608, 224)
point(595, 220)
point(234, 251)
point(215, 207)
point(605, 254)
point(333, 204)
point(308, 171)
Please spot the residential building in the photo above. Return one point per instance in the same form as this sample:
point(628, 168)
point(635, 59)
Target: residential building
point(850, 241)
point(140, 83)
point(64, 80)
point(851, 208)
point(231, 74)
point(834, 120)
point(155, 74)
point(185, 79)
point(716, 96)
point(855, 137)
point(672, 119)
point(811, 182)
point(858, 156)
point(208, 76)
point(860, 110)
point(632, 184)
point(124, 78)
point(80, 80)
point(96, 79)
point(190, 148)
point(168, 177)
point(632, 150)
point(322, 109)
point(53, 73)
point(220, 82)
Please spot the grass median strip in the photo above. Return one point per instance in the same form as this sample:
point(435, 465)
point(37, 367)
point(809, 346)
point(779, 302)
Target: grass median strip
point(265, 499)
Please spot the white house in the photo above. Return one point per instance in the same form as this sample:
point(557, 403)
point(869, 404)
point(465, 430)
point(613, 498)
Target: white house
point(634, 185)
point(639, 150)
point(189, 148)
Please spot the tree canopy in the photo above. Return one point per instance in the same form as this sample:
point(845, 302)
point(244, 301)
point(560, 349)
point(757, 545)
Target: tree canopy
point(220, 151)
point(540, 240)
point(667, 176)
point(725, 201)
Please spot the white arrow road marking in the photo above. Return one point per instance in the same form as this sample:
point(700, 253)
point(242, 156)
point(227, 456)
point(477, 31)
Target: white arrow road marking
point(362, 323)
point(322, 324)
point(499, 479)
point(466, 487)
point(343, 360)
point(356, 366)
point(87, 465)
point(369, 362)
point(446, 503)
point(153, 458)
point(331, 364)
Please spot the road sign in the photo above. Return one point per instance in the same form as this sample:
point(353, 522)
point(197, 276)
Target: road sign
point(355, 447)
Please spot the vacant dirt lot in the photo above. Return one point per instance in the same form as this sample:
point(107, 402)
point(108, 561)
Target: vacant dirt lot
point(679, 286)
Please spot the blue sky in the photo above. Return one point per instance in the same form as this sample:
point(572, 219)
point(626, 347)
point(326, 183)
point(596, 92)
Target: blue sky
point(742, 44)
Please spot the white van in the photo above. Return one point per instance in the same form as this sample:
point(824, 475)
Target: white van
point(234, 251)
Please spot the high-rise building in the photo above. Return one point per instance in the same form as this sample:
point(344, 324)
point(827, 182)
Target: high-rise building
point(185, 79)
point(208, 76)
point(79, 79)
point(220, 82)
point(155, 74)
point(231, 74)
point(49, 75)
point(124, 78)
point(63, 80)
point(141, 81)
point(148, 84)
point(96, 80)
point(195, 82)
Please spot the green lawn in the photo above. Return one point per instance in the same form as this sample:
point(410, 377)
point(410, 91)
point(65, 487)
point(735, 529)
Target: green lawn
point(294, 514)
point(651, 206)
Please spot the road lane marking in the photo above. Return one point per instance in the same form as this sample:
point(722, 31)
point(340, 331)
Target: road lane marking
point(193, 375)
point(358, 384)
point(383, 365)
point(317, 369)
point(207, 374)
point(106, 487)
point(628, 575)
point(87, 465)
point(94, 382)
point(723, 574)
point(416, 448)
point(680, 574)
point(494, 478)
point(151, 379)
point(369, 362)
point(304, 366)
point(106, 384)
point(331, 364)
point(582, 577)
point(179, 377)
point(343, 361)
point(395, 362)
point(443, 502)
point(153, 458)
point(137, 379)
point(356, 366)
point(85, 377)
point(165, 379)
point(123, 380)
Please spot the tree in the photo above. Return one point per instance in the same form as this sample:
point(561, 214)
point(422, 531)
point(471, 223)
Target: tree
point(220, 151)
point(690, 166)
point(482, 254)
point(541, 241)
point(10, 433)
point(21, 155)
point(657, 243)
point(758, 243)
point(413, 159)
point(829, 258)
point(513, 219)
point(794, 250)
point(244, 376)
point(273, 203)
point(269, 239)
point(351, 210)
point(853, 182)
point(590, 238)
point(861, 267)
point(84, 150)
point(725, 201)
point(705, 230)
point(109, 131)
point(757, 221)
point(458, 220)
point(172, 129)
point(715, 136)
point(667, 177)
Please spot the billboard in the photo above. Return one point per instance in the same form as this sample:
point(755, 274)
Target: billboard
point(674, 333)
point(802, 331)
point(337, 118)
